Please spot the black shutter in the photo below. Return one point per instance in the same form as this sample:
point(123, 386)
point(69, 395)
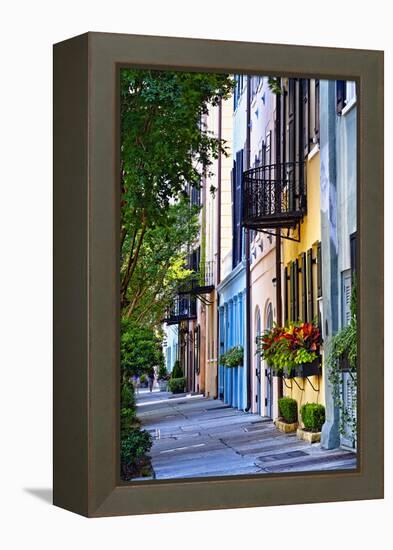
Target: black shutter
point(239, 186)
point(296, 290)
point(317, 110)
point(291, 142)
point(291, 121)
point(305, 97)
point(286, 317)
point(340, 96)
point(304, 287)
point(352, 243)
point(233, 174)
point(310, 293)
point(291, 292)
point(319, 270)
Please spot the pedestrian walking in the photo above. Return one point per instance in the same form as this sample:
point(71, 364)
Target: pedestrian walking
point(151, 380)
point(136, 383)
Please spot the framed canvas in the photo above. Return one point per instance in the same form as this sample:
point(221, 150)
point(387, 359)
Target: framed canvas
point(252, 198)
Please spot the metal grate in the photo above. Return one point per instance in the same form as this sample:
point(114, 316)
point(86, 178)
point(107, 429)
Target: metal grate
point(274, 196)
point(183, 308)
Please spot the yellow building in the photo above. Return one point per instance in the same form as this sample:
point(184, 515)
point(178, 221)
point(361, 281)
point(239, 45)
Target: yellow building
point(301, 258)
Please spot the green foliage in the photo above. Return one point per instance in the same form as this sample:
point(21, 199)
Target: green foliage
point(162, 373)
point(164, 150)
point(274, 84)
point(313, 416)
point(177, 371)
point(140, 349)
point(233, 357)
point(288, 347)
point(128, 420)
point(343, 347)
point(177, 385)
point(134, 448)
point(160, 266)
point(127, 396)
point(288, 409)
point(143, 379)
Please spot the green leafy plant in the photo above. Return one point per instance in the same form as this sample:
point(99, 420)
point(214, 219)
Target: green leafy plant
point(163, 373)
point(134, 448)
point(288, 409)
point(234, 357)
point(288, 347)
point(177, 371)
point(177, 385)
point(127, 396)
point(342, 348)
point(313, 416)
point(128, 420)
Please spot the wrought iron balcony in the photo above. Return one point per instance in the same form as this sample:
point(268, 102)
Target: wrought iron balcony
point(184, 308)
point(201, 281)
point(274, 196)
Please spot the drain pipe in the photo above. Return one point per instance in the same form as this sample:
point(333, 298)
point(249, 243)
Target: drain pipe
point(218, 245)
point(278, 231)
point(247, 255)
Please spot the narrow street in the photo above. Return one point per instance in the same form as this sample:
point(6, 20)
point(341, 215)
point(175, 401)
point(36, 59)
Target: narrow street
point(198, 437)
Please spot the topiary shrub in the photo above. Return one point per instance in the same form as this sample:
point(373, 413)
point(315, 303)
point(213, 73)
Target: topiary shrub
point(177, 385)
point(288, 409)
point(177, 371)
point(313, 416)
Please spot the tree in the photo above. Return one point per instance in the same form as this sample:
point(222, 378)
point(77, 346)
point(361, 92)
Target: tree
point(164, 149)
point(160, 266)
point(140, 348)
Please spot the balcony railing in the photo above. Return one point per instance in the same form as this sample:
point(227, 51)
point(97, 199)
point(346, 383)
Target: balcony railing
point(274, 196)
point(201, 281)
point(184, 308)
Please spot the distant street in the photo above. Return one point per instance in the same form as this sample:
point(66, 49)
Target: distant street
point(199, 437)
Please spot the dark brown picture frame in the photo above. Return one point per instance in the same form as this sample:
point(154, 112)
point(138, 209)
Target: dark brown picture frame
point(86, 286)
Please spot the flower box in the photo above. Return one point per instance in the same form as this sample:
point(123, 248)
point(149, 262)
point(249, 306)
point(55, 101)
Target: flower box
point(309, 369)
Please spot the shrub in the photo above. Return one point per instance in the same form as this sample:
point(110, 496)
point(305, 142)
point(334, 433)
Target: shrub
point(313, 416)
point(128, 420)
point(177, 371)
point(177, 385)
point(288, 409)
point(134, 448)
point(162, 373)
point(143, 379)
point(127, 396)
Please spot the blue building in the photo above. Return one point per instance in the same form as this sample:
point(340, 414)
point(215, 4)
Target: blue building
point(232, 381)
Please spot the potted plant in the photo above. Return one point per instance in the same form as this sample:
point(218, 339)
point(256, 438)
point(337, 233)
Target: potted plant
point(292, 351)
point(234, 357)
point(287, 421)
point(163, 378)
point(313, 418)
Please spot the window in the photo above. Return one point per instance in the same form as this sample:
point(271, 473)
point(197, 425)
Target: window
point(240, 81)
point(345, 94)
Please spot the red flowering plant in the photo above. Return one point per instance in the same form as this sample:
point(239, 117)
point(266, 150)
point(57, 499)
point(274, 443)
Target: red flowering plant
point(288, 347)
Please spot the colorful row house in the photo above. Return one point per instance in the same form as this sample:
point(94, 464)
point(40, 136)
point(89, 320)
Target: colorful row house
point(277, 241)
